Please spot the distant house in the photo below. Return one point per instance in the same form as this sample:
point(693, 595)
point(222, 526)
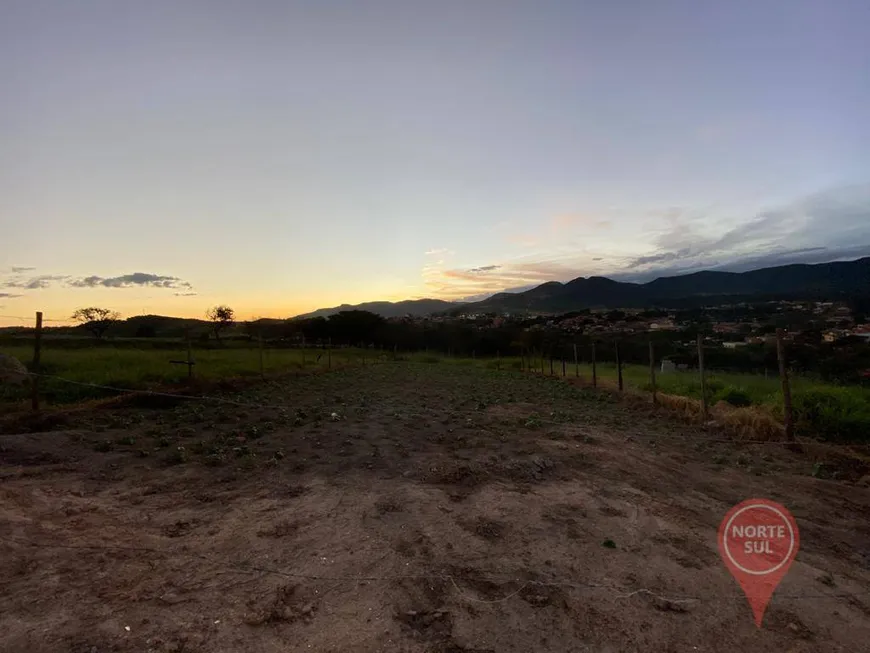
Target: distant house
point(664, 325)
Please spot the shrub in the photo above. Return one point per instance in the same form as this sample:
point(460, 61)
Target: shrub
point(833, 414)
point(734, 396)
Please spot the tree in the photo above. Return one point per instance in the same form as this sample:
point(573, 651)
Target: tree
point(352, 327)
point(222, 317)
point(96, 320)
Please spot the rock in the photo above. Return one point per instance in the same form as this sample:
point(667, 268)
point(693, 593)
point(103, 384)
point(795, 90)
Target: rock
point(864, 481)
point(307, 609)
point(667, 605)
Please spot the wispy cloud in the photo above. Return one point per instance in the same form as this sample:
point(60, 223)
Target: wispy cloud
point(7, 295)
point(185, 294)
point(133, 280)
point(452, 283)
point(437, 252)
point(34, 283)
point(825, 226)
point(22, 268)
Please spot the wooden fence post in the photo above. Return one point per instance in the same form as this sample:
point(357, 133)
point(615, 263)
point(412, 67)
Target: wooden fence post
point(189, 355)
point(498, 360)
point(260, 344)
point(395, 351)
point(37, 352)
point(542, 361)
point(652, 372)
point(576, 362)
point(704, 406)
point(618, 365)
point(563, 367)
point(594, 370)
point(303, 350)
point(329, 354)
point(786, 388)
point(551, 363)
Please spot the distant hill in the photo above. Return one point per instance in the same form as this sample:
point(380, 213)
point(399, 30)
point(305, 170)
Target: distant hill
point(822, 280)
point(415, 307)
point(819, 281)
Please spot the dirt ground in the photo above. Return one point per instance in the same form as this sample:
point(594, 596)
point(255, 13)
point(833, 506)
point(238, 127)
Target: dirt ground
point(411, 507)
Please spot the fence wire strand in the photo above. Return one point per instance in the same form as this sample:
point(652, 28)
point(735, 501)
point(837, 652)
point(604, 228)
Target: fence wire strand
point(245, 404)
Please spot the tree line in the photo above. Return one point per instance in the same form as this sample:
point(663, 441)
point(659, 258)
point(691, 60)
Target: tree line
point(844, 361)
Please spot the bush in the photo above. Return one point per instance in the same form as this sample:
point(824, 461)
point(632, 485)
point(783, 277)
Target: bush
point(734, 396)
point(833, 414)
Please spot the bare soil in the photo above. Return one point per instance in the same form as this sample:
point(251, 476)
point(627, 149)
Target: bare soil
point(411, 507)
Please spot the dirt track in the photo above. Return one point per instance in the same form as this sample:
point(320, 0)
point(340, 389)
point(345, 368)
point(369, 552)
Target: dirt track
point(443, 509)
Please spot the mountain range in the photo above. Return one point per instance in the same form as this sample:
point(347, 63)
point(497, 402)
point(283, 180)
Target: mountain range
point(797, 281)
point(414, 307)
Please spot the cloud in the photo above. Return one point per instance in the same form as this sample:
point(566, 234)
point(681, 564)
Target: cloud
point(7, 295)
point(140, 279)
point(34, 283)
point(437, 252)
point(22, 268)
point(512, 276)
point(185, 294)
point(134, 280)
point(819, 227)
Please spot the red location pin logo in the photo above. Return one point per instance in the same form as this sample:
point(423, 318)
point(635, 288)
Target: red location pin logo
point(758, 539)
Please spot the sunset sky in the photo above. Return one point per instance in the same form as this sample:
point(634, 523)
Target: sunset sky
point(278, 156)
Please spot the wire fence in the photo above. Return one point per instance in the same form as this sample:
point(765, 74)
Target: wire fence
point(513, 584)
point(536, 419)
point(261, 357)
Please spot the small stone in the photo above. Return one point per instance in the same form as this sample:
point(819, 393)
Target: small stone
point(307, 609)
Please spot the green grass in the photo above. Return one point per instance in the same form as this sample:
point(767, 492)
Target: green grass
point(126, 367)
point(821, 409)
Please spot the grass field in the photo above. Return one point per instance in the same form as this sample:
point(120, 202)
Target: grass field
point(125, 367)
point(821, 409)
